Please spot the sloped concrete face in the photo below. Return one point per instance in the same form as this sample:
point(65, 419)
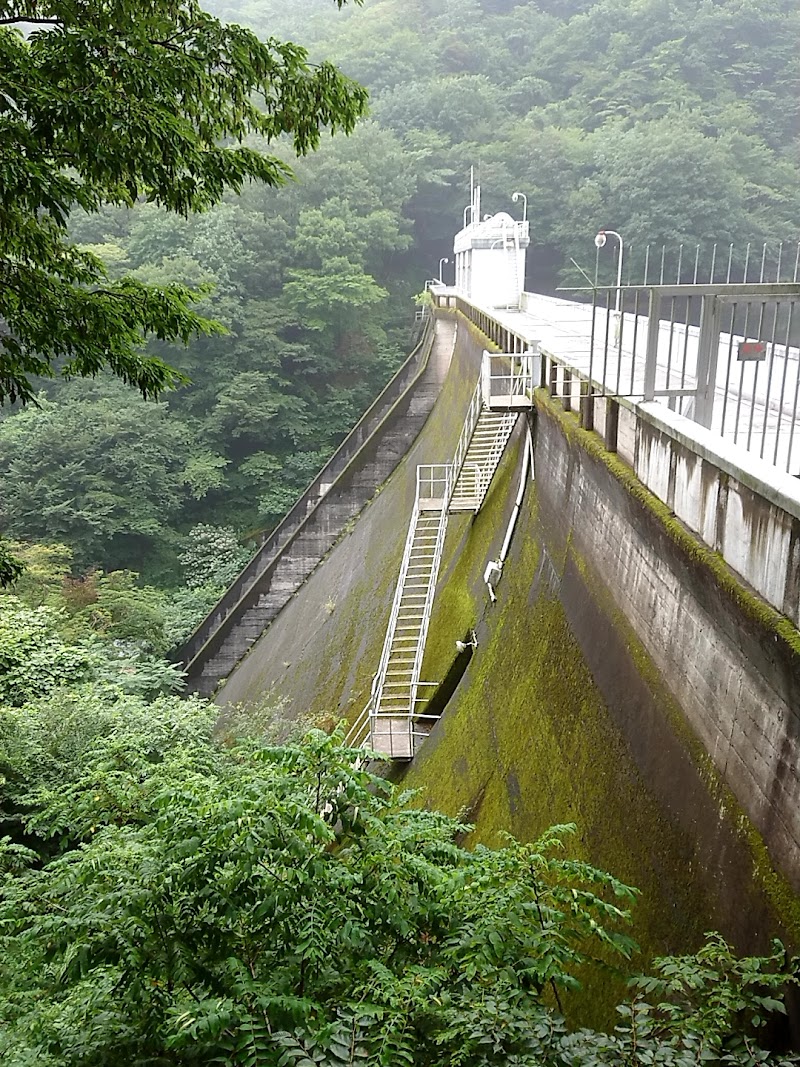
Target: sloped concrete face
point(321, 651)
point(320, 517)
point(621, 682)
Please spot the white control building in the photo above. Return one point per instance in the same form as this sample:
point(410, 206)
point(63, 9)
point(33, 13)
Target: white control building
point(490, 257)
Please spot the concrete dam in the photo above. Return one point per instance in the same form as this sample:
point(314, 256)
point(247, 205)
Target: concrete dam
point(633, 666)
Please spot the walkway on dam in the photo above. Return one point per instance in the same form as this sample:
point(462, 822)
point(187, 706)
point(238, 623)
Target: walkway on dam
point(754, 404)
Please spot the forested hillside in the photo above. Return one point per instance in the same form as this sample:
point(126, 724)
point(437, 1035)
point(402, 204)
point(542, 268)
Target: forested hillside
point(671, 120)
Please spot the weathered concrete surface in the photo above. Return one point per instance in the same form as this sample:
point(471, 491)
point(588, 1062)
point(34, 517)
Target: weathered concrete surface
point(734, 675)
point(600, 690)
point(736, 503)
point(320, 653)
point(235, 630)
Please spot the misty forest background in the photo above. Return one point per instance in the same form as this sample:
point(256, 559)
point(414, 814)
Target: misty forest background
point(673, 121)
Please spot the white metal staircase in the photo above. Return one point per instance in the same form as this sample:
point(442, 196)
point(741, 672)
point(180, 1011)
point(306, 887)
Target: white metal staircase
point(395, 694)
point(483, 455)
point(391, 724)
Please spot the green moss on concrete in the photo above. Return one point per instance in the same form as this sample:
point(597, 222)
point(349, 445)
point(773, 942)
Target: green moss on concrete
point(782, 898)
point(461, 597)
point(529, 742)
point(784, 902)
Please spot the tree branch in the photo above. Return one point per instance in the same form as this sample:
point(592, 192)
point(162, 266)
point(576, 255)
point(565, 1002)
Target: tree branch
point(31, 21)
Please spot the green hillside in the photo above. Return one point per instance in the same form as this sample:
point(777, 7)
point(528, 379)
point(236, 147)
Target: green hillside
point(670, 120)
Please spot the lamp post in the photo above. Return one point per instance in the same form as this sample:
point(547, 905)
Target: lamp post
point(515, 197)
point(442, 261)
point(600, 241)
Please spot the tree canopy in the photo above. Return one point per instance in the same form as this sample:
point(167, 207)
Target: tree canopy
point(113, 102)
point(172, 899)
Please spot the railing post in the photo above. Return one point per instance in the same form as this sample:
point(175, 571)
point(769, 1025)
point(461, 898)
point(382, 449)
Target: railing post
point(486, 378)
point(707, 357)
point(612, 424)
point(587, 406)
point(651, 352)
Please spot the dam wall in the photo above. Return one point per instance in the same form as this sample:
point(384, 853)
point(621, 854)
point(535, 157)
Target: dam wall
point(627, 679)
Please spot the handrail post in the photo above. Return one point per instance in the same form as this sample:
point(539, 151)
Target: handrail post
point(707, 357)
point(486, 377)
point(651, 352)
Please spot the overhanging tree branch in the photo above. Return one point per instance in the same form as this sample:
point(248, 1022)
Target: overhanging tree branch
point(158, 104)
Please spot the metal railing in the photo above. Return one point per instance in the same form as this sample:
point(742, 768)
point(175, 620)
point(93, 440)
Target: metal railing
point(447, 486)
point(368, 721)
point(505, 375)
point(468, 429)
point(358, 734)
point(434, 484)
point(723, 355)
point(497, 448)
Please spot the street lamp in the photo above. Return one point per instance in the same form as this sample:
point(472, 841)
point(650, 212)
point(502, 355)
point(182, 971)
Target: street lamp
point(600, 241)
point(442, 261)
point(515, 197)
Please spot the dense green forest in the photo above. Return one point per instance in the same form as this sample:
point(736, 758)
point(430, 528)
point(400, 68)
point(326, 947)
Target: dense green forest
point(673, 120)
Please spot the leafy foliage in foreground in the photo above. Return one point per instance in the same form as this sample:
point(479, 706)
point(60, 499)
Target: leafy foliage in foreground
point(169, 900)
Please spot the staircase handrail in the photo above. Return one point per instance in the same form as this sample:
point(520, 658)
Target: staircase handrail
point(431, 590)
point(359, 732)
point(467, 430)
point(380, 676)
point(496, 451)
point(447, 483)
point(519, 375)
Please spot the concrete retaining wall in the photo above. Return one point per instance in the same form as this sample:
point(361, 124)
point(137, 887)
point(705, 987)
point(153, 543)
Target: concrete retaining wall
point(731, 664)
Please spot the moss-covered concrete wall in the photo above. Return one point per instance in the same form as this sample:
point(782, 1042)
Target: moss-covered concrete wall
point(562, 714)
